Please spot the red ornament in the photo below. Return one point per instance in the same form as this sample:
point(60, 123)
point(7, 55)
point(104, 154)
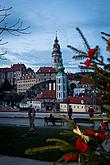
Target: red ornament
point(87, 62)
point(91, 53)
point(90, 132)
point(70, 156)
point(101, 136)
point(81, 145)
point(103, 126)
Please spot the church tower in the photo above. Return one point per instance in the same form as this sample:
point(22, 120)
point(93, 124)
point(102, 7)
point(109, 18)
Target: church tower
point(61, 83)
point(56, 54)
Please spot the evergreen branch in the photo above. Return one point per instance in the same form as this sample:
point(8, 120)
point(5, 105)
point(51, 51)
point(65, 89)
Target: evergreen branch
point(66, 132)
point(76, 50)
point(60, 160)
point(58, 141)
point(104, 39)
point(100, 61)
point(105, 34)
point(42, 149)
point(85, 41)
point(99, 70)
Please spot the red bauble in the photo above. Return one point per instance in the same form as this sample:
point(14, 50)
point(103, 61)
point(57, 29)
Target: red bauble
point(81, 145)
point(70, 156)
point(90, 132)
point(91, 53)
point(101, 136)
point(87, 63)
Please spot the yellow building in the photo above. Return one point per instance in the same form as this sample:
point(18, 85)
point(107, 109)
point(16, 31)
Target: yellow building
point(25, 83)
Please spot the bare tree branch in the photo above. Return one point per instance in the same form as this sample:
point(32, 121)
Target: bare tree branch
point(14, 29)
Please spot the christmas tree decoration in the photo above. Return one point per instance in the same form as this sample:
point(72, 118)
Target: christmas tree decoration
point(86, 146)
point(98, 67)
point(87, 62)
point(91, 53)
point(108, 45)
point(107, 40)
point(84, 137)
point(70, 157)
point(81, 145)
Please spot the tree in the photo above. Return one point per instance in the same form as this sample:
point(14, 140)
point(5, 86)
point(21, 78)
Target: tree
point(99, 68)
point(14, 29)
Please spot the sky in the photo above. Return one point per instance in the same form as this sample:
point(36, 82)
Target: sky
point(48, 17)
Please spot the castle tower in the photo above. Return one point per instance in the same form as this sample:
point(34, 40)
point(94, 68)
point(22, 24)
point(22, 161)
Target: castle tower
point(56, 54)
point(61, 83)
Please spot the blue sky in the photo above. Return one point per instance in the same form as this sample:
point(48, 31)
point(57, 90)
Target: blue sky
point(45, 18)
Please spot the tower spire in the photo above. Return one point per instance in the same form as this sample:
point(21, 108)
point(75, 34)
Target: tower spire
point(56, 54)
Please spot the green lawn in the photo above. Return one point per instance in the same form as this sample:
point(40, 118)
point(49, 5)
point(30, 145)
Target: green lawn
point(14, 142)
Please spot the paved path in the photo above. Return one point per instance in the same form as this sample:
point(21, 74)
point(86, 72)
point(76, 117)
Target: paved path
point(8, 160)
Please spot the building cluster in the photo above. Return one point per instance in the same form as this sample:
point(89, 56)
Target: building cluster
point(61, 89)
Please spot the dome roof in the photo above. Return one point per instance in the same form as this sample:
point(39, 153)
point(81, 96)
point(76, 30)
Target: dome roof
point(61, 67)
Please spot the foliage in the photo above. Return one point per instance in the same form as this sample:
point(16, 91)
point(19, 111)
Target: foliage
point(8, 94)
point(98, 67)
point(13, 142)
point(84, 147)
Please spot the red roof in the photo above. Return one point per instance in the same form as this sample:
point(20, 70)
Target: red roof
point(18, 67)
point(46, 70)
point(3, 70)
point(14, 68)
point(79, 100)
point(47, 94)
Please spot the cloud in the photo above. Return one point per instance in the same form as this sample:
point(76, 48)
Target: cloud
point(31, 59)
point(36, 59)
point(45, 18)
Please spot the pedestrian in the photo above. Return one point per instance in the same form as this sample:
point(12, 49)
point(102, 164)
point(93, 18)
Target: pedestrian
point(103, 127)
point(70, 112)
point(91, 111)
point(52, 119)
point(104, 124)
point(31, 115)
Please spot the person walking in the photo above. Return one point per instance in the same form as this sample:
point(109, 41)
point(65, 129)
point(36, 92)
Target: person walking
point(91, 111)
point(31, 116)
point(52, 119)
point(70, 112)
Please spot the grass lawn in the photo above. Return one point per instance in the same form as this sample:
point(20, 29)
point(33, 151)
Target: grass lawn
point(14, 143)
